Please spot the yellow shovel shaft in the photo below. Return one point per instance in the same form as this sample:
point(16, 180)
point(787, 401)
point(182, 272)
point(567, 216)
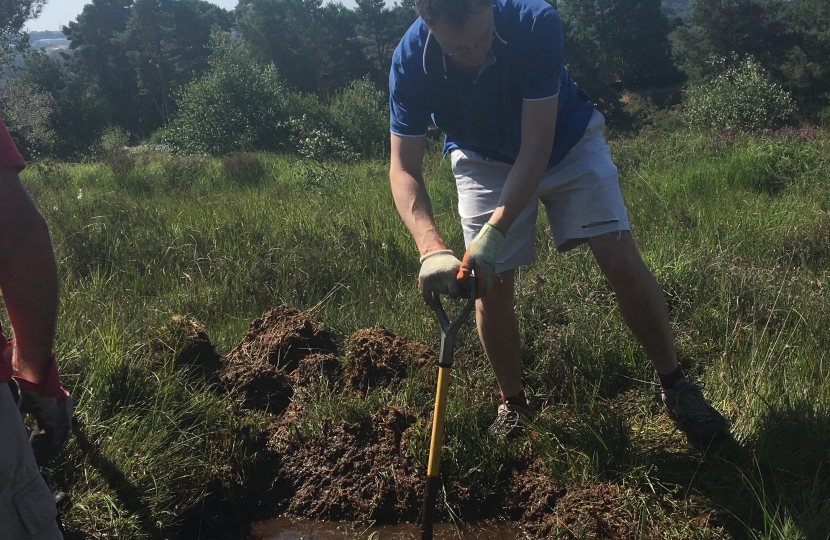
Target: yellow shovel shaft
point(438, 422)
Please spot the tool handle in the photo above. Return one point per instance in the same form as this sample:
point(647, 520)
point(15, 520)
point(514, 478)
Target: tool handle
point(451, 327)
point(428, 510)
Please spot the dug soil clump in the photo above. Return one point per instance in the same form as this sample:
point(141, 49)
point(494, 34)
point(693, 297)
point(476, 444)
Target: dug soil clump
point(376, 357)
point(352, 471)
point(591, 511)
point(282, 337)
point(188, 341)
point(259, 386)
point(316, 366)
point(261, 368)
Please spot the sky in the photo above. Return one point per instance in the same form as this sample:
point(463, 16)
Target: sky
point(59, 12)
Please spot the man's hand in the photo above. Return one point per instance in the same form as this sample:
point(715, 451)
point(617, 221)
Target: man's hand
point(439, 271)
point(481, 258)
point(52, 407)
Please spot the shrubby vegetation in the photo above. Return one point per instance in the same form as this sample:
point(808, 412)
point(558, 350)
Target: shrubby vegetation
point(242, 105)
point(130, 62)
point(741, 98)
point(238, 105)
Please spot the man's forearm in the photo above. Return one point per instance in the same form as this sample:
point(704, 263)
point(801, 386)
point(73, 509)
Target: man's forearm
point(28, 279)
point(521, 184)
point(415, 209)
point(538, 130)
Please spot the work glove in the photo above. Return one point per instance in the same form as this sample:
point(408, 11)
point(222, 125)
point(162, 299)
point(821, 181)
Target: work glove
point(52, 408)
point(480, 258)
point(439, 271)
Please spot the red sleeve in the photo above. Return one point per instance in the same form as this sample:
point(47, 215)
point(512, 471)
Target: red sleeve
point(9, 156)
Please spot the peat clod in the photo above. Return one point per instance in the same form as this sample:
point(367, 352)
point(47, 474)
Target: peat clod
point(376, 357)
point(314, 366)
point(187, 340)
point(259, 386)
point(282, 337)
point(261, 370)
point(530, 492)
point(590, 511)
point(354, 471)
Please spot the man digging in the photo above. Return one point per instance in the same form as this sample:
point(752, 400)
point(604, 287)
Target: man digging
point(519, 131)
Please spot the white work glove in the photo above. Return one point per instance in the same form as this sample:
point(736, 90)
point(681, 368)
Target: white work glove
point(480, 258)
point(439, 275)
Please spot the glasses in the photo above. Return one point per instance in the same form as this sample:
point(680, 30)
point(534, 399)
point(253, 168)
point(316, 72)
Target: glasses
point(468, 50)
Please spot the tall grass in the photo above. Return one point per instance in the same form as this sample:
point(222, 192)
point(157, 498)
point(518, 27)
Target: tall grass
point(735, 231)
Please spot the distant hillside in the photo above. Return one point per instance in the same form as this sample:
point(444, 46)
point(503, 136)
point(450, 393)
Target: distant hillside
point(48, 39)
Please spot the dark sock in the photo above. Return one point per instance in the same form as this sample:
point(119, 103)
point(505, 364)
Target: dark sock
point(518, 399)
point(668, 381)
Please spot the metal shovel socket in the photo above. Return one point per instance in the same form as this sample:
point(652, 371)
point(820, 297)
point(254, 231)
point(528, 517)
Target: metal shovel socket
point(449, 331)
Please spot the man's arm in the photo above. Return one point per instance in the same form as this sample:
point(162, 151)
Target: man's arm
point(28, 279)
point(410, 194)
point(439, 267)
point(538, 128)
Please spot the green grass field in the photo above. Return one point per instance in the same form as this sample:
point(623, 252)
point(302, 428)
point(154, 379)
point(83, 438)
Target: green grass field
point(737, 233)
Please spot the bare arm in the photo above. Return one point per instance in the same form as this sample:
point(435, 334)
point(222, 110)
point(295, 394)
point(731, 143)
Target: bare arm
point(410, 194)
point(538, 128)
point(28, 279)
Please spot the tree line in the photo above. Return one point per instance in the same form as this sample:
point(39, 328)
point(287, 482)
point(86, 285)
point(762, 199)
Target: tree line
point(130, 62)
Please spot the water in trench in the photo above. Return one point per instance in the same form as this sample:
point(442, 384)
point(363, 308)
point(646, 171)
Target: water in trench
point(302, 529)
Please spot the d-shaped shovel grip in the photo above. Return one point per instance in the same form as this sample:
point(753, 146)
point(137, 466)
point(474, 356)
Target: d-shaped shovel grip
point(449, 329)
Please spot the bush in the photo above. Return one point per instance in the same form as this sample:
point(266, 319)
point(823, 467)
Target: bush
point(361, 113)
point(739, 99)
point(112, 142)
point(314, 133)
point(238, 105)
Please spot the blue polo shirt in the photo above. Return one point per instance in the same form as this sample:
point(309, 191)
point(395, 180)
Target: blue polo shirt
point(483, 114)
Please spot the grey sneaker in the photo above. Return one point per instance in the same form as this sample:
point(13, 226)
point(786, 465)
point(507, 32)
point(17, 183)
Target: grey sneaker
point(699, 420)
point(509, 421)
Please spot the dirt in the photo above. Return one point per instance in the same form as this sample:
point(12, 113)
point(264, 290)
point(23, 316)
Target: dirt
point(188, 341)
point(281, 337)
point(376, 357)
point(259, 385)
point(316, 366)
point(354, 471)
point(592, 511)
point(363, 471)
point(281, 349)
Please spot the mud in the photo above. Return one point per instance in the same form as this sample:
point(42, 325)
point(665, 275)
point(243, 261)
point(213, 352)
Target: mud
point(592, 511)
point(364, 472)
point(301, 529)
point(376, 357)
point(353, 471)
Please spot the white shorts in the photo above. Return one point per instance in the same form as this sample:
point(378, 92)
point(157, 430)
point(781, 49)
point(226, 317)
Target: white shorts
point(27, 506)
point(581, 195)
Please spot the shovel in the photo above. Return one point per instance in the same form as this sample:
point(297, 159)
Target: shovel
point(449, 330)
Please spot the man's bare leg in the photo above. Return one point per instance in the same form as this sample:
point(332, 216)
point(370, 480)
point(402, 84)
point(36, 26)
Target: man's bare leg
point(640, 297)
point(498, 330)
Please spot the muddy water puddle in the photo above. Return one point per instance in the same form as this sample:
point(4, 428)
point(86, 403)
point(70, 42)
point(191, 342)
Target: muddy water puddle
point(303, 529)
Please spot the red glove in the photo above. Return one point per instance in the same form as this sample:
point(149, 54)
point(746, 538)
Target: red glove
point(5, 363)
point(52, 407)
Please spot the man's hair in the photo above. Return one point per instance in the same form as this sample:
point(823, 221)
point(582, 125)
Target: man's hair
point(452, 12)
